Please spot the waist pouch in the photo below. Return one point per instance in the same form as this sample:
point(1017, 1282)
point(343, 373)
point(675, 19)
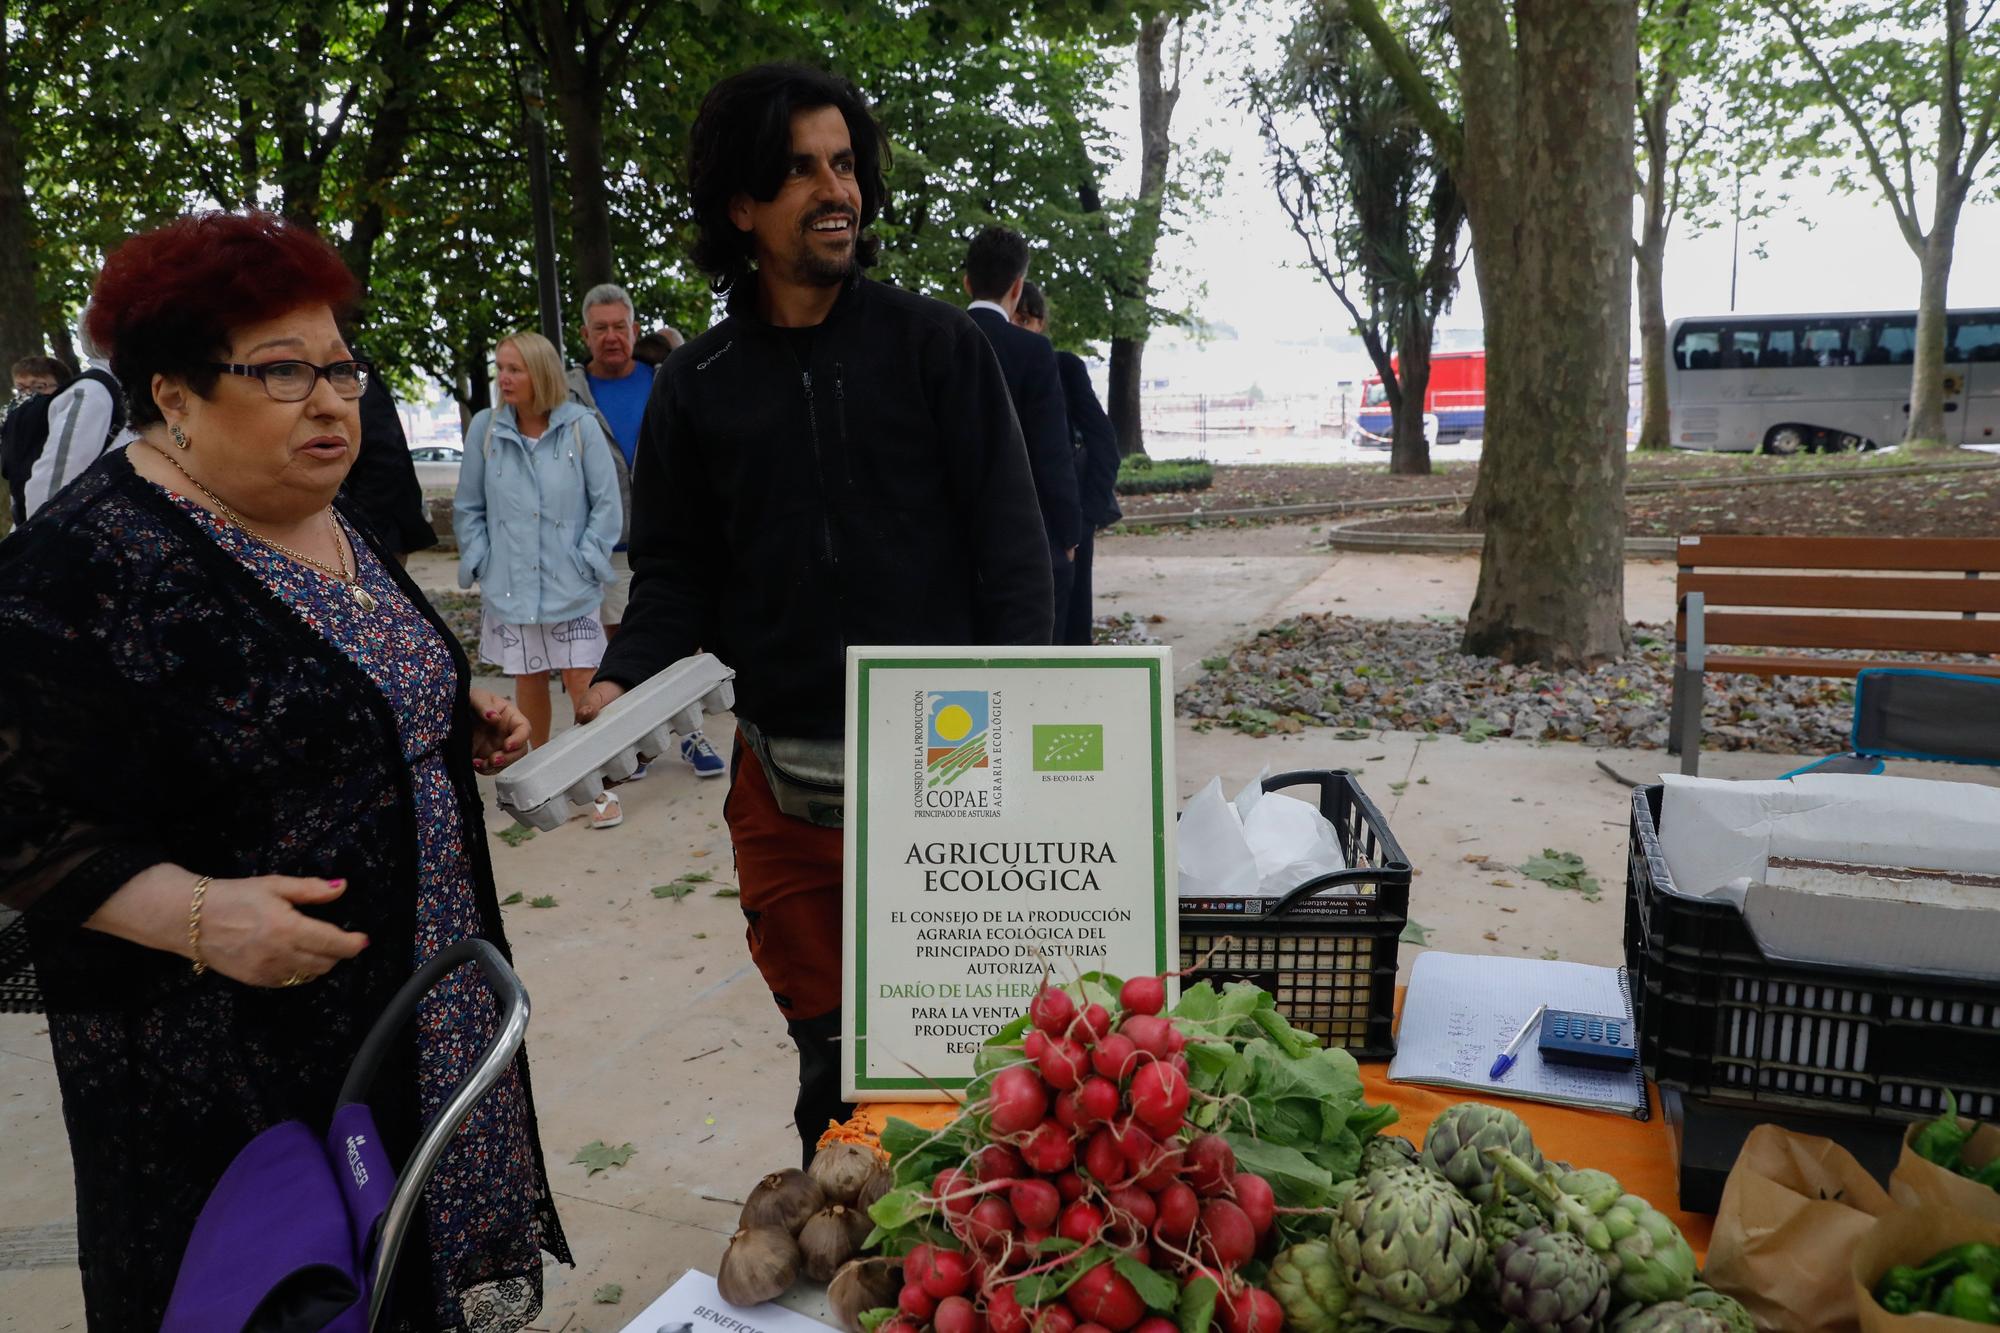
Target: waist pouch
point(808, 777)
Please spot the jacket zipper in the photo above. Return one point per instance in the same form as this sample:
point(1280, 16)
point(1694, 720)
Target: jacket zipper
point(840, 417)
point(825, 503)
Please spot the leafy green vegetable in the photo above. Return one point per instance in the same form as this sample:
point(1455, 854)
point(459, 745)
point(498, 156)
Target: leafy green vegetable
point(1195, 1312)
point(1155, 1288)
point(874, 1319)
point(1041, 1288)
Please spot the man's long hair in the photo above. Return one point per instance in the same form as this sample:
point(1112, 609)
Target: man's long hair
point(742, 144)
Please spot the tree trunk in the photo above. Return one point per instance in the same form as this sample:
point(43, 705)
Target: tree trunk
point(1655, 429)
point(1127, 354)
point(1927, 396)
point(1552, 226)
point(1130, 302)
point(581, 110)
point(20, 308)
point(1409, 451)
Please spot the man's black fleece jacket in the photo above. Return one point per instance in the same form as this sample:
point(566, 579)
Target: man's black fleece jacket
point(796, 492)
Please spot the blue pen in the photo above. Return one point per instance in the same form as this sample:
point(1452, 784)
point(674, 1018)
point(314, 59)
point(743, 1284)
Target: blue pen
point(1505, 1060)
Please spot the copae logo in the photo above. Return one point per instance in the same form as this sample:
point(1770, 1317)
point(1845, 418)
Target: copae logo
point(957, 758)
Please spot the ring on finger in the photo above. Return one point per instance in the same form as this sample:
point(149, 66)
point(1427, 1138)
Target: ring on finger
point(295, 979)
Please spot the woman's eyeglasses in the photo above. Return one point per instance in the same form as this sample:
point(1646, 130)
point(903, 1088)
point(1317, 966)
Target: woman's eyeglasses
point(294, 381)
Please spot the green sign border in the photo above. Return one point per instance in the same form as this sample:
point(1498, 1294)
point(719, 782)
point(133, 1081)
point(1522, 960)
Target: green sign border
point(858, 823)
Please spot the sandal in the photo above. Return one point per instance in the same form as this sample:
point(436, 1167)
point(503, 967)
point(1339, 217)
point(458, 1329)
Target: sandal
point(605, 812)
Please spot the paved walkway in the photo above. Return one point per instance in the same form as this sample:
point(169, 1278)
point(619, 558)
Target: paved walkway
point(652, 1027)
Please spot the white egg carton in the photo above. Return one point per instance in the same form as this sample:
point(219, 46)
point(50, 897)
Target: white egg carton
point(555, 783)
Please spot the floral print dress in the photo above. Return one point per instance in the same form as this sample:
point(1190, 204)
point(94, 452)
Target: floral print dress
point(480, 1203)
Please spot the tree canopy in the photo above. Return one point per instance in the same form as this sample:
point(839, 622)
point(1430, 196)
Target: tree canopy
point(396, 127)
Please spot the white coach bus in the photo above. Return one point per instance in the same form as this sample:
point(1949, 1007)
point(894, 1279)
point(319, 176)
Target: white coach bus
point(1788, 384)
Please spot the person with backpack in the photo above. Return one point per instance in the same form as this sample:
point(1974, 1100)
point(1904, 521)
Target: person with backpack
point(80, 424)
point(36, 380)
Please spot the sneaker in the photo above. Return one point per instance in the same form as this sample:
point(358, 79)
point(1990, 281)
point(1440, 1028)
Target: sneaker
point(638, 772)
point(701, 756)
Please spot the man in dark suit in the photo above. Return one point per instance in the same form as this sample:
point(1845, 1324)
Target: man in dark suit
point(996, 264)
point(383, 483)
point(1096, 444)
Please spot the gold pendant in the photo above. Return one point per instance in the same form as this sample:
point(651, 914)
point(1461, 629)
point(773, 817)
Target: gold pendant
point(362, 597)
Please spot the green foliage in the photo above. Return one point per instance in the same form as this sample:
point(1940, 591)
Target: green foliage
point(1562, 870)
point(598, 1158)
point(1141, 475)
point(399, 131)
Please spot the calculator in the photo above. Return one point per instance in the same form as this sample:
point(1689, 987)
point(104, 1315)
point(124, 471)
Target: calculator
point(1592, 1040)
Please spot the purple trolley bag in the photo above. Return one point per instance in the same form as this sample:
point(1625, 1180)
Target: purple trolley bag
point(303, 1233)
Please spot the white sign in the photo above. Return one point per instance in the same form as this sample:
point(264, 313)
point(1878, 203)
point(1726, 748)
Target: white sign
point(1008, 815)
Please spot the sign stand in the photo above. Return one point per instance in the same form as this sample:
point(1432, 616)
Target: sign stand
point(1008, 816)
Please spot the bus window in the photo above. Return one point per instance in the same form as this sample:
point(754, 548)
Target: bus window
point(1739, 349)
point(1696, 349)
point(1973, 338)
point(1822, 345)
point(1375, 394)
point(1778, 346)
point(1899, 339)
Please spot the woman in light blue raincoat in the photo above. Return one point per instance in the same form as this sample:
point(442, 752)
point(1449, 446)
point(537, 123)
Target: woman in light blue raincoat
point(536, 515)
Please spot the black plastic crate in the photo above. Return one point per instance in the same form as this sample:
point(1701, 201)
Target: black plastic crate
point(1719, 1019)
point(1327, 950)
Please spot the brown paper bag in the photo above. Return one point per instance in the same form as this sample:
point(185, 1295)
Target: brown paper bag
point(1910, 1236)
point(1792, 1211)
point(1921, 1184)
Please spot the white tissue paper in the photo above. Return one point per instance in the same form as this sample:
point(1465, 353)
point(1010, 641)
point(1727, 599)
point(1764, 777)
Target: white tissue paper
point(1264, 843)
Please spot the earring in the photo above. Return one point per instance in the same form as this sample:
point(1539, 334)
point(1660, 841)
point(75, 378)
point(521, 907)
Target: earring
point(180, 436)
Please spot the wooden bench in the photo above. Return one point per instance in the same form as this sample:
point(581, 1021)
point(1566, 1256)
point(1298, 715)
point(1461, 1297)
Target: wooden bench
point(1944, 590)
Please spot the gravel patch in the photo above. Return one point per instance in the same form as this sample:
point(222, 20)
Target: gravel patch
point(1125, 630)
point(1362, 675)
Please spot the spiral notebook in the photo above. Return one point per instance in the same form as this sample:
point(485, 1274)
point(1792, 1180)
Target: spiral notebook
point(1462, 1008)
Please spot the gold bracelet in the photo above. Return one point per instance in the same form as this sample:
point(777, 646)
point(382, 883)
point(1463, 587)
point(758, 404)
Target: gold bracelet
point(194, 922)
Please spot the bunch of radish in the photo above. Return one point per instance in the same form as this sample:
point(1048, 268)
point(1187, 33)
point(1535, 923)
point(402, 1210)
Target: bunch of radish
point(1086, 1177)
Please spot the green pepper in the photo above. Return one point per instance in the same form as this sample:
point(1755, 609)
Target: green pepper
point(1907, 1290)
point(1969, 1296)
point(1988, 1175)
point(1943, 1139)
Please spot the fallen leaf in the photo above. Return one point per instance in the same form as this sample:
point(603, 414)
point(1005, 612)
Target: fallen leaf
point(676, 890)
point(1561, 870)
point(1510, 909)
point(695, 876)
point(546, 900)
point(1503, 884)
point(702, 852)
point(725, 892)
point(510, 900)
point(608, 1294)
point(1399, 787)
point(1490, 936)
point(599, 1158)
point(1415, 933)
point(516, 834)
point(1477, 858)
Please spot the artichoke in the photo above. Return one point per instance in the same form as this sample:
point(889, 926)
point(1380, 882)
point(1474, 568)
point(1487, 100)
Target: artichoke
point(1650, 1260)
point(1507, 1217)
point(1308, 1288)
point(1315, 1299)
point(1458, 1139)
point(1670, 1317)
point(1384, 1151)
point(1705, 1297)
point(1550, 1282)
point(1596, 1190)
point(1408, 1239)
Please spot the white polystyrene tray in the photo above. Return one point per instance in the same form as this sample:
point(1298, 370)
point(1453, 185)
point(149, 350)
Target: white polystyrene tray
point(548, 788)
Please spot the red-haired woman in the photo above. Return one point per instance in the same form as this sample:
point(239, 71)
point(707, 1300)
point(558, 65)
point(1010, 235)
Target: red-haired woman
point(237, 797)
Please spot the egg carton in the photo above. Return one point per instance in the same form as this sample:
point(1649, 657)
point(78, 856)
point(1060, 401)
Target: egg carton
point(552, 785)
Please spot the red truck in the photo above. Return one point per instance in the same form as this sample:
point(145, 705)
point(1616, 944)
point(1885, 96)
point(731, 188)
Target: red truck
point(1456, 397)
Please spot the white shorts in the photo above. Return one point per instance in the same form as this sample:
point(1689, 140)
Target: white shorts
point(523, 650)
point(617, 595)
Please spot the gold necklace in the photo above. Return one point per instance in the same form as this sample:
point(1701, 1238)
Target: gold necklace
point(350, 581)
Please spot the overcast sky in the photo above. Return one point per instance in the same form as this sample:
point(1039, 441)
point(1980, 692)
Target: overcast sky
point(1245, 253)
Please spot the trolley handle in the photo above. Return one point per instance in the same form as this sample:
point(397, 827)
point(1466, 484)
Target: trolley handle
point(512, 998)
